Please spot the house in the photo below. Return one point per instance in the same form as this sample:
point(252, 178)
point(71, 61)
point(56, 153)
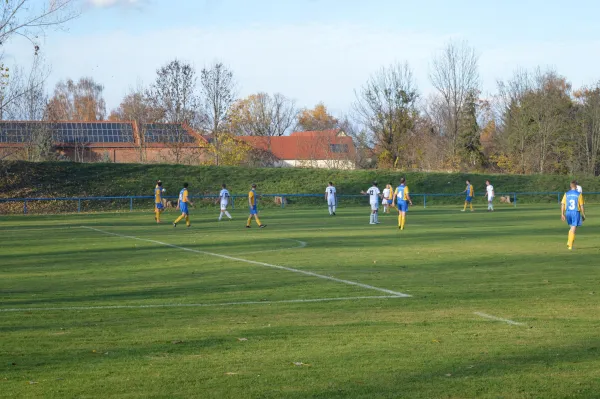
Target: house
point(102, 141)
point(318, 149)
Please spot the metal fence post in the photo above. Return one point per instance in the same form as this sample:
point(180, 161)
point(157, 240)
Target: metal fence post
point(232, 202)
point(558, 197)
point(24, 207)
point(130, 204)
point(283, 202)
point(79, 205)
point(515, 199)
point(424, 200)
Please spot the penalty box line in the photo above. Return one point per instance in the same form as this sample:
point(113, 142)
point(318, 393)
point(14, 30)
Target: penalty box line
point(197, 305)
point(253, 262)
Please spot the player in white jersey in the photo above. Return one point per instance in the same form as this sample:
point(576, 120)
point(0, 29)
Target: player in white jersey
point(374, 195)
point(387, 198)
point(490, 195)
point(331, 198)
point(224, 199)
point(579, 189)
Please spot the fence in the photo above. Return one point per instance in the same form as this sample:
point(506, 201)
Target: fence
point(131, 203)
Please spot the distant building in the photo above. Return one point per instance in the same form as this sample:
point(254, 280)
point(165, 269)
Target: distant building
point(123, 142)
point(318, 149)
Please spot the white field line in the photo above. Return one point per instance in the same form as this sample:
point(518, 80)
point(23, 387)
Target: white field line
point(17, 229)
point(252, 262)
point(489, 316)
point(302, 245)
point(197, 305)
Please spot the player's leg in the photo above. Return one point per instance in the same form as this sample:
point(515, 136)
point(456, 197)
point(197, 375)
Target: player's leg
point(227, 213)
point(188, 223)
point(372, 216)
point(465, 207)
point(399, 217)
point(179, 219)
point(571, 237)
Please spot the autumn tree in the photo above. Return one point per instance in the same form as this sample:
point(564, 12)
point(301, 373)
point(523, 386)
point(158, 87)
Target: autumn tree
point(262, 115)
point(218, 94)
point(80, 101)
point(455, 77)
point(317, 118)
point(386, 106)
point(589, 122)
point(137, 107)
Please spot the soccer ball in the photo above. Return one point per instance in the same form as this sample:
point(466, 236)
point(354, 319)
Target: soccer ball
point(164, 190)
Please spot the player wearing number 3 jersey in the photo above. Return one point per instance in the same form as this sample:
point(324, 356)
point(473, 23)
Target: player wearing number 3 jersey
point(572, 211)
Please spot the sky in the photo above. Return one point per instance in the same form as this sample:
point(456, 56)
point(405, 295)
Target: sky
point(316, 50)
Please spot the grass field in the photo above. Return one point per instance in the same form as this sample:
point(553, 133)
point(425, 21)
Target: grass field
point(312, 306)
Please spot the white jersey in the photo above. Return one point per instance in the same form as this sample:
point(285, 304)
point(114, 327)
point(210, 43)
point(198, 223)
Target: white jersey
point(490, 191)
point(373, 194)
point(330, 191)
point(224, 195)
point(387, 193)
point(579, 189)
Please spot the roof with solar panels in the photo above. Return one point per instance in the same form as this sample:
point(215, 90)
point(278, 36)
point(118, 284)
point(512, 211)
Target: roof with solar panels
point(100, 134)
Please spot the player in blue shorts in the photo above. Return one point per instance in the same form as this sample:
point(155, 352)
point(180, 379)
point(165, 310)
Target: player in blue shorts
point(470, 194)
point(182, 205)
point(252, 204)
point(402, 199)
point(158, 200)
point(572, 211)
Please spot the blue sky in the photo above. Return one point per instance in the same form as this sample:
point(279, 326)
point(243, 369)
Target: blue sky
point(318, 50)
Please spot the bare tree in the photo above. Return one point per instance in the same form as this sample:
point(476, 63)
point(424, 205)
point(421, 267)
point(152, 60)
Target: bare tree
point(24, 97)
point(174, 92)
point(386, 106)
point(589, 118)
point(262, 115)
point(218, 91)
point(455, 76)
point(30, 18)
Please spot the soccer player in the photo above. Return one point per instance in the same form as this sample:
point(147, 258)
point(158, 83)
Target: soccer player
point(490, 195)
point(579, 189)
point(158, 200)
point(470, 193)
point(374, 195)
point(572, 211)
point(252, 200)
point(402, 198)
point(224, 198)
point(182, 205)
point(331, 198)
point(387, 198)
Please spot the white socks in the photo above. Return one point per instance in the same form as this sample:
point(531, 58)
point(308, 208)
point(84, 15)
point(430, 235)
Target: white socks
point(226, 213)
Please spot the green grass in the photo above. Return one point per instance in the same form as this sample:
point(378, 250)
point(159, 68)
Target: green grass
point(511, 264)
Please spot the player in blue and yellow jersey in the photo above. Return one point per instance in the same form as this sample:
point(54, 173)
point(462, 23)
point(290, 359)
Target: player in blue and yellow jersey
point(470, 194)
point(572, 211)
point(402, 200)
point(252, 204)
point(182, 205)
point(158, 200)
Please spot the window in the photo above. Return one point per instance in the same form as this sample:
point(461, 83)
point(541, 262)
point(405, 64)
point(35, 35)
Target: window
point(338, 148)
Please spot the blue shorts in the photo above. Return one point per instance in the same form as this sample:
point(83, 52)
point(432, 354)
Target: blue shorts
point(574, 218)
point(253, 210)
point(159, 206)
point(468, 199)
point(183, 207)
point(402, 206)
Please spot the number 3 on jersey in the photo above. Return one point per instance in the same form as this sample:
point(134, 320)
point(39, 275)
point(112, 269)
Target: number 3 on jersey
point(571, 206)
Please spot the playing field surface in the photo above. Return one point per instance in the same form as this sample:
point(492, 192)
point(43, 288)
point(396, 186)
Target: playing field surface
point(458, 305)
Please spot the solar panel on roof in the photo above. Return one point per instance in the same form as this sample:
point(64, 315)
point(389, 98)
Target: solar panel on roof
point(166, 133)
point(67, 132)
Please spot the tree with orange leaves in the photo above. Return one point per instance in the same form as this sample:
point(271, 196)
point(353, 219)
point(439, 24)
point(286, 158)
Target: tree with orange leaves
point(317, 118)
point(77, 101)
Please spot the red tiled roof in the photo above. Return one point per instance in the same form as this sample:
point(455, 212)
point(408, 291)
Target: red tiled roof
point(317, 133)
point(302, 147)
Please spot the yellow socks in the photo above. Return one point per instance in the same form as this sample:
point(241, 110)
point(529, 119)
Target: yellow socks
point(465, 208)
point(179, 219)
point(157, 212)
point(258, 221)
point(471, 205)
point(403, 222)
point(400, 220)
point(187, 221)
point(571, 239)
point(249, 221)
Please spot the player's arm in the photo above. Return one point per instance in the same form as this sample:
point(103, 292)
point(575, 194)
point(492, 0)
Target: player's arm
point(326, 194)
point(409, 199)
point(363, 193)
point(563, 208)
